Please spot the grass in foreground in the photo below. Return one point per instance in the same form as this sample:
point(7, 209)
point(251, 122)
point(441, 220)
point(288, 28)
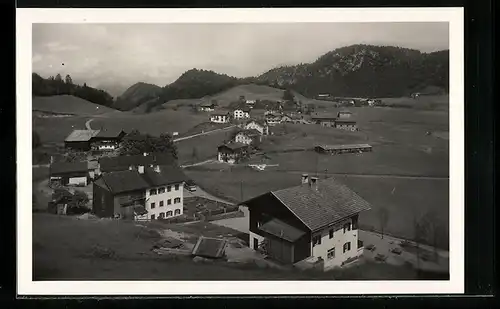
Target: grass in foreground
point(68, 249)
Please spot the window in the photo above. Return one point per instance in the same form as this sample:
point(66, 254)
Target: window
point(152, 217)
point(347, 246)
point(330, 253)
point(161, 190)
point(152, 192)
point(331, 233)
point(177, 200)
point(177, 212)
point(162, 215)
point(161, 203)
point(177, 187)
point(169, 213)
point(347, 227)
point(317, 240)
point(169, 188)
point(169, 201)
point(152, 205)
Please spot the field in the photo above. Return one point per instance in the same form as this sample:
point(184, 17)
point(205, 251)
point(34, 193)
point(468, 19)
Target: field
point(68, 249)
point(205, 147)
point(407, 172)
point(68, 104)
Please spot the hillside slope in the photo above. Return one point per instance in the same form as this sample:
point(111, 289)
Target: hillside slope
point(68, 104)
point(365, 70)
point(136, 95)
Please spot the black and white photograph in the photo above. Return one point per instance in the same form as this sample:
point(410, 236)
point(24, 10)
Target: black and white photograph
point(241, 150)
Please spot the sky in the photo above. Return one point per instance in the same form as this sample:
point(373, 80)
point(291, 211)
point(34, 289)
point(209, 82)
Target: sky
point(116, 56)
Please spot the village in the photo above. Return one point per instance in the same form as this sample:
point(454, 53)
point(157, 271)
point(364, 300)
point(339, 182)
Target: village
point(312, 225)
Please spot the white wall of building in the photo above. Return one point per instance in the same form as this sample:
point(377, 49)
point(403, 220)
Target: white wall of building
point(258, 127)
point(77, 181)
point(240, 114)
point(337, 241)
point(219, 119)
point(165, 197)
point(252, 238)
point(242, 138)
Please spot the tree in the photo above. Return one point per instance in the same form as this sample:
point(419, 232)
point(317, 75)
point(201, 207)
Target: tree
point(431, 229)
point(35, 140)
point(80, 199)
point(68, 80)
point(75, 157)
point(383, 214)
point(136, 143)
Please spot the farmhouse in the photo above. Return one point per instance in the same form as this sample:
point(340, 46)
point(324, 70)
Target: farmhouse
point(207, 107)
point(232, 152)
point(220, 117)
point(324, 119)
point(344, 114)
point(248, 137)
point(80, 139)
point(315, 222)
point(273, 118)
point(143, 193)
point(346, 124)
point(258, 125)
point(337, 149)
point(69, 173)
point(123, 163)
point(107, 139)
point(250, 103)
point(241, 112)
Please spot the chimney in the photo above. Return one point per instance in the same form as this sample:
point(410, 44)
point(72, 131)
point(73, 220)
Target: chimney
point(157, 168)
point(140, 169)
point(305, 179)
point(314, 183)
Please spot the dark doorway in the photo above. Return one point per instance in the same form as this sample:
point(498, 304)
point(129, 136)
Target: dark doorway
point(255, 243)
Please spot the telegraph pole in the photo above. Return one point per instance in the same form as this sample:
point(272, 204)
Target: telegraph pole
point(241, 190)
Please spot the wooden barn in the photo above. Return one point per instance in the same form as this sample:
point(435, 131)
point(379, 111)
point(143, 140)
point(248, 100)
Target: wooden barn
point(69, 173)
point(338, 149)
point(80, 139)
point(232, 152)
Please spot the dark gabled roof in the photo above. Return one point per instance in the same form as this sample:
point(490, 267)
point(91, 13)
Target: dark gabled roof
point(207, 104)
point(260, 122)
point(343, 147)
point(324, 116)
point(331, 202)
point(166, 175)
point(348, 120)
point(109, 133)
point(68, 168)
point(220, 113)
point(81, 135)
point(120, 163)
point(124, 181)
point(209, 247)
point(250, 132)
point(281, 230)
point(233, 146)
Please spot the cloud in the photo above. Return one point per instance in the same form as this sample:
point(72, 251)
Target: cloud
point(159, 53)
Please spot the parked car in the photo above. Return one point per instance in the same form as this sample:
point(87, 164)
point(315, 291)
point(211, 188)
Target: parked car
point(190, 186)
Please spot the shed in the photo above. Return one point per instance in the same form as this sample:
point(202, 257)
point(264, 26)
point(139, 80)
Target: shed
point(69, 173)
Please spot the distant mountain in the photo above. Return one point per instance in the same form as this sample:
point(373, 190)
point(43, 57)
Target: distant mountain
point(365, 70)
point(136, 95)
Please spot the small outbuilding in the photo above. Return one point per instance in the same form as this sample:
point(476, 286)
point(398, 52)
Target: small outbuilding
point(69, 173)
point(338, 149)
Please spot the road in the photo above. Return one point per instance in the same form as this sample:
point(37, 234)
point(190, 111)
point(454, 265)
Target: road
point(204, 133)
point(322, 174)
point(87, 124)
point(197, 163)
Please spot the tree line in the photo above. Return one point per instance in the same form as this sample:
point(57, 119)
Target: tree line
point(56, 85)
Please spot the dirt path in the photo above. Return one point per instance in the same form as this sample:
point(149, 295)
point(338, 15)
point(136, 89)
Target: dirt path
point(197, 163)
point(204, 133)
point(87, 124)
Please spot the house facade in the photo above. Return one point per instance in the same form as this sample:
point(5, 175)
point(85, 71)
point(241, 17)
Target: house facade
point(314, 222)
point(232, 152)
point(69, 173)
point(325, 120)
point(143, 193)
point(248, 137)
point(207, 107)
point(260, 126)
point(344, 115)
point(220, 117)
point(346, 124)
point(241, 113)
point(273, 118)
point(107, 139)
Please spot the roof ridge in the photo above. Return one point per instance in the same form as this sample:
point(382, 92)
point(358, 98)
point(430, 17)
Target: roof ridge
point(297, 216)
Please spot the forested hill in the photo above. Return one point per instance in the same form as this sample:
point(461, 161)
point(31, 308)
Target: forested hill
point(365, 70)
point(58, 86)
